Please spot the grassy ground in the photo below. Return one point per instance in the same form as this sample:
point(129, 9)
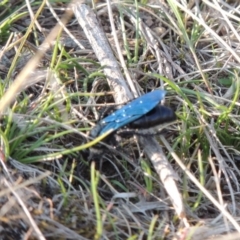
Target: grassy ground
point(51, 98)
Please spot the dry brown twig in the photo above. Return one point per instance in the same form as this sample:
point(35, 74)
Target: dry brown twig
point(100, 45)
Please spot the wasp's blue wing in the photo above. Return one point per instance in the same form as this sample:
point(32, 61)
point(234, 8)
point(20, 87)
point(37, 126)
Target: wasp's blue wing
point(131, 111)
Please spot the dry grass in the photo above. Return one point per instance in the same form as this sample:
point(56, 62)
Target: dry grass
point(53, 90)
